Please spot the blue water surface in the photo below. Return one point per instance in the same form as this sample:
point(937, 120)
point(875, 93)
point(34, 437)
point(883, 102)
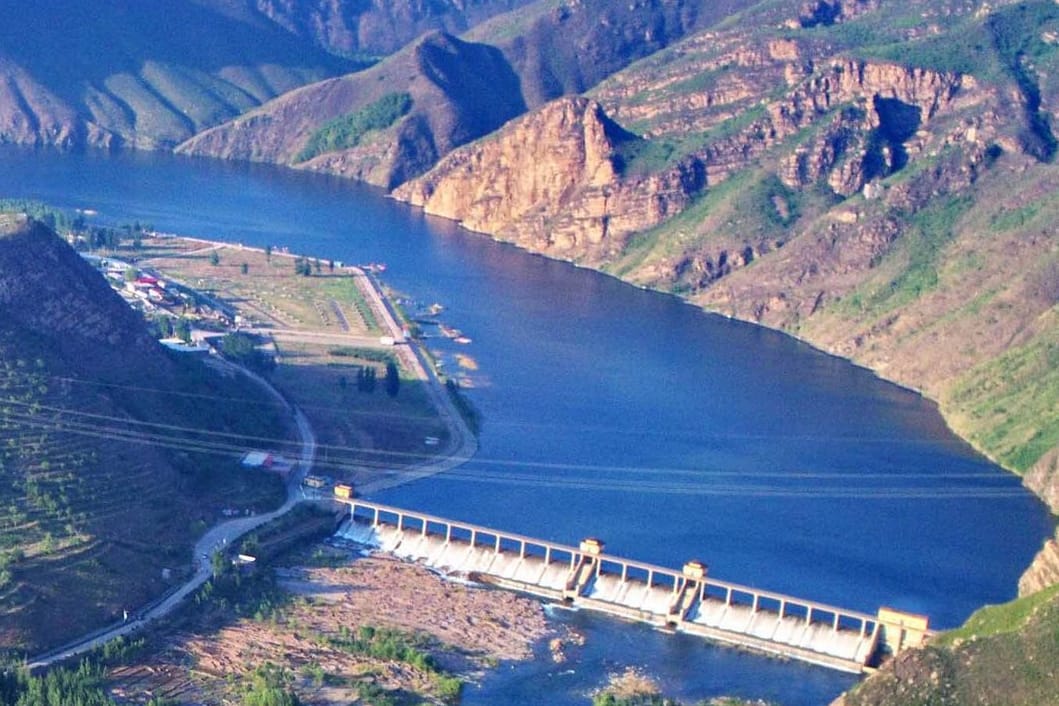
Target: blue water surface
point(627, 415)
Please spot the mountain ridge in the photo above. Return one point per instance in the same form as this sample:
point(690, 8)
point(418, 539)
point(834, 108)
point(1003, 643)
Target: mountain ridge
point(829, 209)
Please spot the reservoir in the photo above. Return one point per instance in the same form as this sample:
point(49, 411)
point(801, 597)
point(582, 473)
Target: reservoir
point(618, 413)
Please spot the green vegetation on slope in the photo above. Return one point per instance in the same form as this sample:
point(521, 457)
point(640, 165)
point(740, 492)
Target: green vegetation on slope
point(94, 414)
point(991, 46)
point(346, 131)
point(1005, 654)
point(914, 263)
point(1010, 402)
point(998, 619)
point(84, 685)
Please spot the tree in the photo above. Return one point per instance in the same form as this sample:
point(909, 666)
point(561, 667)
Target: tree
point(163, 326)
point(366, 379)
point(183, 330)
point(218, 564)
point(244, 268)
point(268, 253)
point(215, 259)
point(393, 379)
point(242, 348)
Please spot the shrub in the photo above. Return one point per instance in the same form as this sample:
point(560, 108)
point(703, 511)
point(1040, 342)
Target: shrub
point(346, 131)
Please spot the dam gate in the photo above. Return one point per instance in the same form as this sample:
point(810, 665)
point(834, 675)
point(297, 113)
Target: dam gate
point(688, 600)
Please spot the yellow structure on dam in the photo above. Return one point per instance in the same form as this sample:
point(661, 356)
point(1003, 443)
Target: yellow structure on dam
point(688, 600)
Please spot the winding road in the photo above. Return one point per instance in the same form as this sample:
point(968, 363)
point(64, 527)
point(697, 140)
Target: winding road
point(460, 447)
point(216, 538)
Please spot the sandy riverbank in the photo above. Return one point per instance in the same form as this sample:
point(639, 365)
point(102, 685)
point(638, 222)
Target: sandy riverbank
point(378, 590)
point(466, 630)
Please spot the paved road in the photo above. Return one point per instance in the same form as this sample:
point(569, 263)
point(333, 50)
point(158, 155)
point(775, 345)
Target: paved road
point(461, 446)
point(215, 539)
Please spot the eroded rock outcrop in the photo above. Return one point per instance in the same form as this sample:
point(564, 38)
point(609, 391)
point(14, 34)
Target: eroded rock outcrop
point(1043, 479)
point(1044, 571)
point(550, 182)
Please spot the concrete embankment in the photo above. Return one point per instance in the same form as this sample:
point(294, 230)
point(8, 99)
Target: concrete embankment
point(686, 600)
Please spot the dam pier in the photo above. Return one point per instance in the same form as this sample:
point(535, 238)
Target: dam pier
point(688, 600)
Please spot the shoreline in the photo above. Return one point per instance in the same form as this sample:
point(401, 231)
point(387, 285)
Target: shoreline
point(461, 447)
point(462, 443)
point(1038, 493)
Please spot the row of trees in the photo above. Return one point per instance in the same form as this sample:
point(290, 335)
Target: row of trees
point(304, 266)
point(367, 379)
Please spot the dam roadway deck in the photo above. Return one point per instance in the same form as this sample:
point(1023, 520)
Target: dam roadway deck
point(688, 600)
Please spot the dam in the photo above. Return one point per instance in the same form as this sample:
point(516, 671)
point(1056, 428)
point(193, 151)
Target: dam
point(686, 600)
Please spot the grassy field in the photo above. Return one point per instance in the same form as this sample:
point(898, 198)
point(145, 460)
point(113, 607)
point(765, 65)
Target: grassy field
point(361, 429)
point(362, 434)
point(265, 288)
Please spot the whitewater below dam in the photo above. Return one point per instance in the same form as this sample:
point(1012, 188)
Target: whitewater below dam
point(612, 412)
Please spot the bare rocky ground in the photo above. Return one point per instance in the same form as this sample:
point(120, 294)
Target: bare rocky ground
point(465, 629)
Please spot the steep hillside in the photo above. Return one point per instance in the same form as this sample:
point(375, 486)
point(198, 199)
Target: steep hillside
point(142, 74)
point(376, 28)
point(443, 79)
point(551, 182)
point(114, 455)
point(1005, 654)
point(461, 89)
point(856, 174)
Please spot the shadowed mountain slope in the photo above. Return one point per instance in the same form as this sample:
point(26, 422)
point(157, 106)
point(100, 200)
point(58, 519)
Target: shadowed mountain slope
point(145, 74)
point(461, 89)
point(114, 454)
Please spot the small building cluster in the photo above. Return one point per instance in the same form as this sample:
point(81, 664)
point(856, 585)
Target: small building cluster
point(267, 461)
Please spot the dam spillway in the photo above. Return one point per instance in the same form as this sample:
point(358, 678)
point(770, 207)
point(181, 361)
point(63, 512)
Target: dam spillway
point(686, 600)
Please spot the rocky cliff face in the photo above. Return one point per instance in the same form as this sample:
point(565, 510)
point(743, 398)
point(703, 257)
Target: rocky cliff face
point(1044, 571)
point(1043, 479)
point(842, 199)
point(549, 183)
point(463, 88)
point(554, 182)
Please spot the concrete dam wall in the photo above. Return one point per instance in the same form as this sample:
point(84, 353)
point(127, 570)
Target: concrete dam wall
point(687, 600)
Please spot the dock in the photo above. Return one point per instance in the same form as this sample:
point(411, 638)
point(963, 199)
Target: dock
point(687, 600)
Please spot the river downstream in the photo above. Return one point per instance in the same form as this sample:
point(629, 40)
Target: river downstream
point(627, 415)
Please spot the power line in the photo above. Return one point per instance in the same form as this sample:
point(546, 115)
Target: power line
point(211, 440)
point(594, 483)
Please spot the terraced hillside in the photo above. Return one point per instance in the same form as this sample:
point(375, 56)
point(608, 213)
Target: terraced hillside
point(146, 75)
point(114, 455)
